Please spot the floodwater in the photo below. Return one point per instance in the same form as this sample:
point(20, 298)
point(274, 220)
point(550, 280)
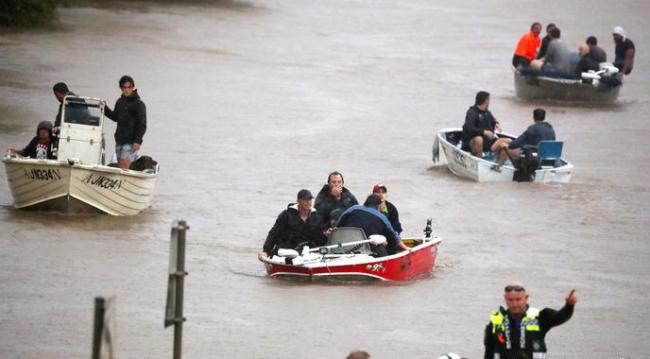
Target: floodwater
point(248, 102)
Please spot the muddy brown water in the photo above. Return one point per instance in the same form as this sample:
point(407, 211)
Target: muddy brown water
point(250, 102)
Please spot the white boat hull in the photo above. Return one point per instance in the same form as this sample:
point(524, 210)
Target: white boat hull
point(58, 185)
point(464, 164)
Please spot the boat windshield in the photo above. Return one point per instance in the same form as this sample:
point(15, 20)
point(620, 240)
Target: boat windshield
point(80, 112)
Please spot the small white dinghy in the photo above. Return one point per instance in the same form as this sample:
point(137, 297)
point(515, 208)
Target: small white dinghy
point(447, 150)
point(78, 180)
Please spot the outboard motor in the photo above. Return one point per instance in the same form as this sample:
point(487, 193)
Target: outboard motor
point(427, 230)
point(526, 165)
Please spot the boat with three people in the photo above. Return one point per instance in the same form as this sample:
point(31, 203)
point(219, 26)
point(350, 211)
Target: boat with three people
point(78, 180)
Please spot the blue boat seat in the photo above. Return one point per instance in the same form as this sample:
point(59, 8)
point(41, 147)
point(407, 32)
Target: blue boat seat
point(549, 153)
point(347, 235)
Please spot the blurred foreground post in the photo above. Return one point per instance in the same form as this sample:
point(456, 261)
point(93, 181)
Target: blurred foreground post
point(103, 339)
point(174, 307)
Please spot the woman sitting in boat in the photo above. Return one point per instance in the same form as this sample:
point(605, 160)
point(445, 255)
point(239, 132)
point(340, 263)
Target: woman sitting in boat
point(299, 223)
point(479, 130)
point(41, 146)
point(368, 218)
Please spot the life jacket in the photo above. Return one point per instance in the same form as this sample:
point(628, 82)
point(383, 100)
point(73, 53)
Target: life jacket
point(531, 338)
point(527, 45)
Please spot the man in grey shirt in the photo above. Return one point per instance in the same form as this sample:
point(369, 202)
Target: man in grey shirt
point(558, 56)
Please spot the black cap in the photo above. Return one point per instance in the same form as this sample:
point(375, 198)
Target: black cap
point(60, 87)
point(304, 194)
point(372, 201)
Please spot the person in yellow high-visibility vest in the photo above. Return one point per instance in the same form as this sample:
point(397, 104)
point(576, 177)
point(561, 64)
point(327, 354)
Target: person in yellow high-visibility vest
point(518, 332)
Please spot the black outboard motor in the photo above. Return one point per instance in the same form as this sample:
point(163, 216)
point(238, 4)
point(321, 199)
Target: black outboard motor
point(427, 230)
point(526, 165)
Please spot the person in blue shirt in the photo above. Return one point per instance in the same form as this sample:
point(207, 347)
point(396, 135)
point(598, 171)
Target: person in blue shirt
point(368, 218)
point(539, 131)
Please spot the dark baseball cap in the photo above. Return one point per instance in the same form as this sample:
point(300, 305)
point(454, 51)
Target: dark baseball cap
point(305, 194)
point(378, 188)
point(60, 87)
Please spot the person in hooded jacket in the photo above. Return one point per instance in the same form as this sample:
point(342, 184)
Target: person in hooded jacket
point(130, 114)
point(60, 90)
point(333, 196)
point(539, 131)
point(297, 224)
point(41, 146)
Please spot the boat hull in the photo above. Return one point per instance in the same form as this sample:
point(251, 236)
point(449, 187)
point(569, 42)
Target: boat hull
point(530, 87)
point(60, 186)
point(398, 267)
point(465, 165)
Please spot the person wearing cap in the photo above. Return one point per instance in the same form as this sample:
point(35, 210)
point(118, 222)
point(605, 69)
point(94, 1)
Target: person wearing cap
point(526, 48)
point(299, 223)
point(333, 195)
point(479, 130)
point(130, 113)
point(60, 90)
point(518, 331)
point(625, 50)
point(368, 218)
point(388, 209)
point(41, 146)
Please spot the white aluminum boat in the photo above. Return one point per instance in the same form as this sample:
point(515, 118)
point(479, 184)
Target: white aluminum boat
point(447, 150)
point(78, 180)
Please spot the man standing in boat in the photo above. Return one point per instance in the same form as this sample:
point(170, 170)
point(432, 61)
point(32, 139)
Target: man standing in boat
point(299, 223)
point(333, 196)
point(518, 332)
point(368, 218)
point(130, 114)
point(479, 130)
point(60, 90)
point(624, 59)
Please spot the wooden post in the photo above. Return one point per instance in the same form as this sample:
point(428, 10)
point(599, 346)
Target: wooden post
point(175, 289)
point(98, 326)
point(180, 273)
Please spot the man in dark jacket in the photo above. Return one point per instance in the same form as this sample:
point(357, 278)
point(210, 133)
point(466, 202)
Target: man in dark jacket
point(539, 131)
point(479, 130)
point(297, 224)
point(60, 90)
point(387, 208)
point(518, 332)
point(333, 196)
point(545, 41)
point(41, 146)
point(130, 114)
point(368, 218)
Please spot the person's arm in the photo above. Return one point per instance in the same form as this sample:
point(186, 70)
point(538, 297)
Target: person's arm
point(272, 236)
point(394, 214)
point(110, 113)
point(627, 64)
point(470, 126)
point(550, 318)
point(521, 140)
point(140, 126)
point(488, 343)
point(30, 149)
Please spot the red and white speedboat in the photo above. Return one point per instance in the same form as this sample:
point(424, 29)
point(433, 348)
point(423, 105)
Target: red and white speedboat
point(348, 256)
